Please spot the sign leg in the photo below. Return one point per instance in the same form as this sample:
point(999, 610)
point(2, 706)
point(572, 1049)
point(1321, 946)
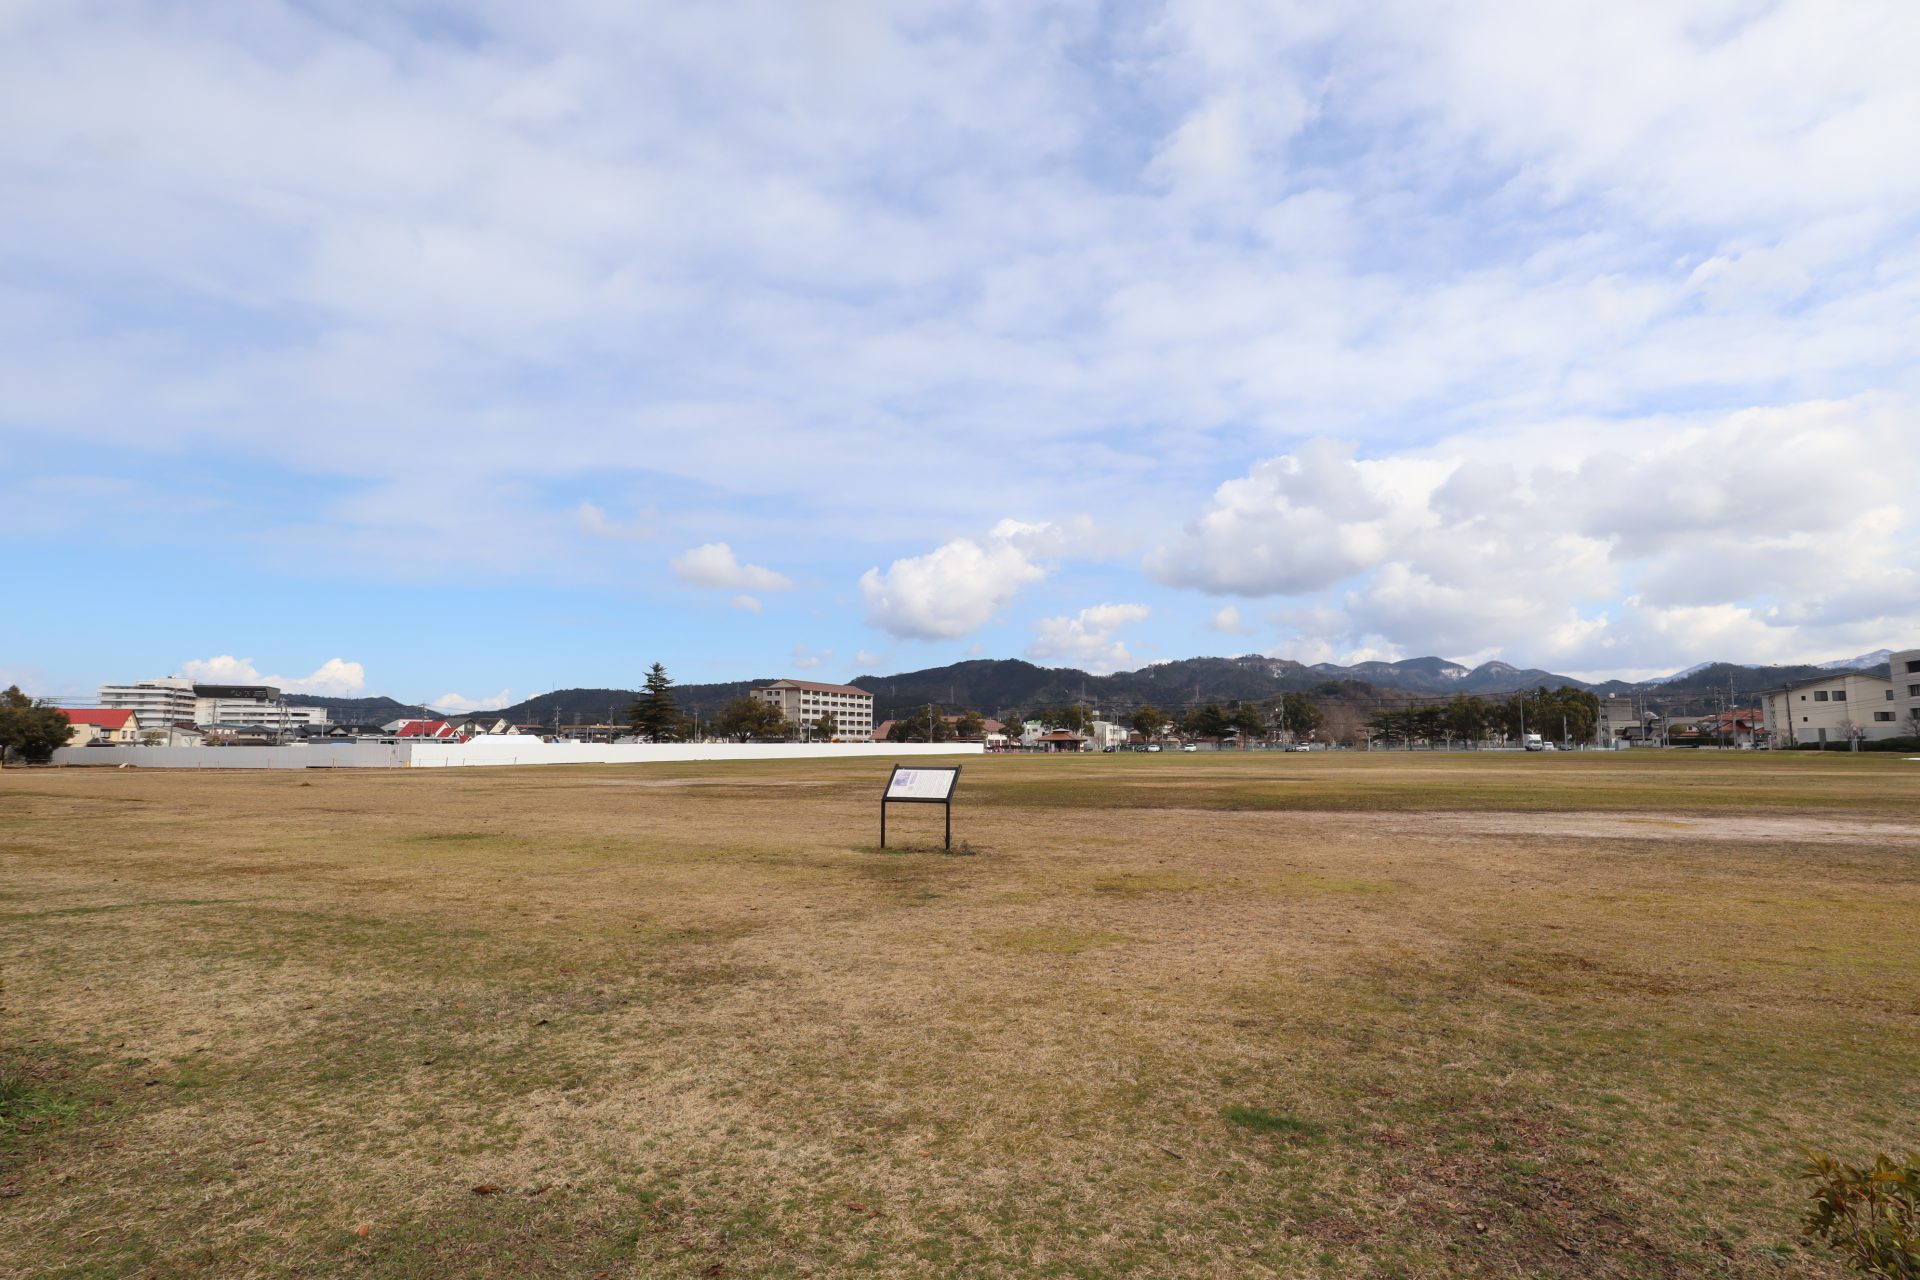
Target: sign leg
point(883, 824)
point(949, 807)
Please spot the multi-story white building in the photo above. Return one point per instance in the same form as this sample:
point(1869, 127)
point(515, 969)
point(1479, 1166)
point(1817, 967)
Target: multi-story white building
point(175, 699)
point(157, 703)
point(256, 713)
point(1836, 708)
point(1904, 667)
point(803, 702)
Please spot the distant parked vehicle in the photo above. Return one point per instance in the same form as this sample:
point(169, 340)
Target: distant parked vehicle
point(1188, 746)
point(1152, 746)
point(1298, 746)
point(1534, 742)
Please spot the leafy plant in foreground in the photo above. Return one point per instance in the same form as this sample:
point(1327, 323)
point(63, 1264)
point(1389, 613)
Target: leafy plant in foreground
point(1870, 1214)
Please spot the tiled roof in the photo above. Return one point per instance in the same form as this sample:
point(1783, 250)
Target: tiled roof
point(100, 717)
point(813, 687)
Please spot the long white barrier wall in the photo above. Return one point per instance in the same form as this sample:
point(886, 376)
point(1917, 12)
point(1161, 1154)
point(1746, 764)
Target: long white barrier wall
point(503, 750)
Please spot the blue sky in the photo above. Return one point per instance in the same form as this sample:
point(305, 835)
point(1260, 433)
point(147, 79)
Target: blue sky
point(460, 351)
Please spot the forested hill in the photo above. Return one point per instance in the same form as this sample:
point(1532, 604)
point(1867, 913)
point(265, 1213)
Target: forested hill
point(998, 686)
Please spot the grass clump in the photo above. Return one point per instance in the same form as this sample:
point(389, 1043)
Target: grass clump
point(1264, 1121)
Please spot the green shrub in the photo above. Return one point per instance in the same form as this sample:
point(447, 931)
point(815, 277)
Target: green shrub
point(1871, 1215)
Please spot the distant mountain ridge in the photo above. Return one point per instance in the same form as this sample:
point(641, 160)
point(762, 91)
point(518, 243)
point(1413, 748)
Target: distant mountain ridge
point(994, 686)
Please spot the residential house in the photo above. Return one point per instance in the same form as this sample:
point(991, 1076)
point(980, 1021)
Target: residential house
point(115, 725)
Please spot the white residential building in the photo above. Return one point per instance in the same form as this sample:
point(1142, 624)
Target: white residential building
point(803, 702)
point(1835, 708)
point(154, 702)
point(175, 699)
point(1104, 733)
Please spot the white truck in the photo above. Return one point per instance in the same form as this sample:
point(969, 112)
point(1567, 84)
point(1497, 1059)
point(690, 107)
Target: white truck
point(1532, 742)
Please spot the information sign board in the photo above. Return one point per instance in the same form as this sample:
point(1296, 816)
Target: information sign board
point(932, 786)
point(919, 785)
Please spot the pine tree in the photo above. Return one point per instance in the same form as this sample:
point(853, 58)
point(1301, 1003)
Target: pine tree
point(655, 716)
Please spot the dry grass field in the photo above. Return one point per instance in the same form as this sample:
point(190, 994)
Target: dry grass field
point(1228, 1016)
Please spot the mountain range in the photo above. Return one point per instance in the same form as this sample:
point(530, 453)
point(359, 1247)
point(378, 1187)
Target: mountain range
point(999, 686)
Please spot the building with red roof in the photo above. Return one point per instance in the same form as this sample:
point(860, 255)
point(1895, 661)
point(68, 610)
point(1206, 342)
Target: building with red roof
point(101, 724)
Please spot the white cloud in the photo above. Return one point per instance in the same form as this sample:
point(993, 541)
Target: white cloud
point(806, 659)
point(460, 705)
point(334, 678)
point(714, 565)
point(956, 588)
point(1088, 639)
point(794, 292)
point(747, 604)
point(595, 521)
point(1766, 535)
point(1296, 523)
point(1227, 622)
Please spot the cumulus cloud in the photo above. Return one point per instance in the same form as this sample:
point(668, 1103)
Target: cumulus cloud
point(747, 604)
point(334, 678)
point(713, 564)
point(1088, 639)
point(956, 588)
point(807, 659)
point(1764, 535)
point(461, 705)
point(1296, 523)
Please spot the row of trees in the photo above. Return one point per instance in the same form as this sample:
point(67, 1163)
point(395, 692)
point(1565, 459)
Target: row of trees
point(1566, 713)
point(30, 730)
point(930, 724)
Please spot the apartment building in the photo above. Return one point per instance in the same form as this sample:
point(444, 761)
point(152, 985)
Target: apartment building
point(156, 702)
point(803, 702)
point(1835, 708)
point(172, 699)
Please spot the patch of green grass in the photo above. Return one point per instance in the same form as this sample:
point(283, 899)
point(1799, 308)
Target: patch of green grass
point(1135, 883)
point(1263, 1121)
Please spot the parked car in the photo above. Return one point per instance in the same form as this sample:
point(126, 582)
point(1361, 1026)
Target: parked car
point(1152, 746)
point(1188, 746)
point(1298, 746)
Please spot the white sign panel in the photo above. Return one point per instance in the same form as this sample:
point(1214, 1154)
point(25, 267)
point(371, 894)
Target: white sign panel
point(922, 784)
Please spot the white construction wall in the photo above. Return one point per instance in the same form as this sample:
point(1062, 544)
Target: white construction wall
point(492, 750)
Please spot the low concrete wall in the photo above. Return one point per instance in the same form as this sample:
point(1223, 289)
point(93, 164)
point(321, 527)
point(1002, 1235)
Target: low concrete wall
point(497, 751)
point(510, 750)
point(343, 755)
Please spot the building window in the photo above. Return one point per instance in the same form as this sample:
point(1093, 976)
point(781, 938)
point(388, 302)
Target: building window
point(1883, 715)
point(1913, 666)
point(1839, 695)
point(1820, 695)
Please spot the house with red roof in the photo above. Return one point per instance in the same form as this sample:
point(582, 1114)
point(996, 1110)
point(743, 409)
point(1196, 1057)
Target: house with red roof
point(434, 729)
point(101, 724)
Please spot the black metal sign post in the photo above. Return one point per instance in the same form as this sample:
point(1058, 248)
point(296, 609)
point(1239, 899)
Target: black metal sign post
point(920, 786)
